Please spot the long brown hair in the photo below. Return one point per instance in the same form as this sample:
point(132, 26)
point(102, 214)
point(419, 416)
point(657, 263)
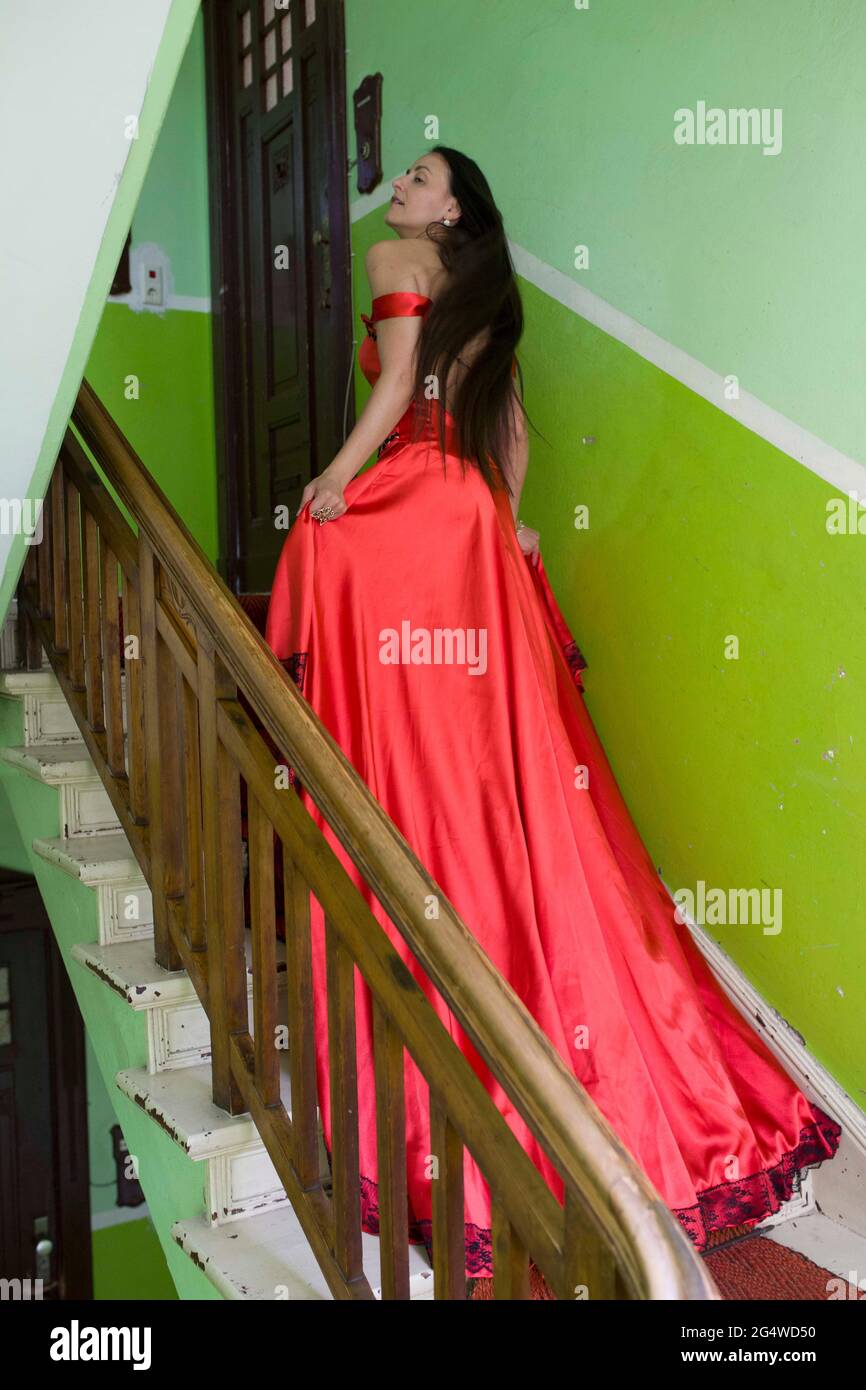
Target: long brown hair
point(482, 294)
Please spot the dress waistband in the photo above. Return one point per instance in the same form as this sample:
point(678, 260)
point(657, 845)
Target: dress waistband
point(404, 432)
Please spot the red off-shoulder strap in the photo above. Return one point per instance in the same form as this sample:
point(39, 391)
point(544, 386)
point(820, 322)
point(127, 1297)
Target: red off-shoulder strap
point(400, 304)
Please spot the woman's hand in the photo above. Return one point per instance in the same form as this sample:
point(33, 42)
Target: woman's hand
point(528, 540)
point(322, 492)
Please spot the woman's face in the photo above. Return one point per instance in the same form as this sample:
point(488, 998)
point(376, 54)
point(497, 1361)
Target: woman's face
point(421, 196)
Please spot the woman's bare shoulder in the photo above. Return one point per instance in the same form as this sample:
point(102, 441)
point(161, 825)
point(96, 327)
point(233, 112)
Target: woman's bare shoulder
point(404, 264)
point(393, 264)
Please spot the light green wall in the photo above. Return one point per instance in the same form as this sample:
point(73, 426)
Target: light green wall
point(171, 424)
point(123, 190)
point(173, 207)
point(173, 1184)
point(748, 262)
point(744, 773)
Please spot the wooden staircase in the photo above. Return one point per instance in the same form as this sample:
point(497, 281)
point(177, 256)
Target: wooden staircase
point(147, 748)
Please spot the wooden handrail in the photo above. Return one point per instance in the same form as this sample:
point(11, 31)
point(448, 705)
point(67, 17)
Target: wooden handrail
point(201, 658)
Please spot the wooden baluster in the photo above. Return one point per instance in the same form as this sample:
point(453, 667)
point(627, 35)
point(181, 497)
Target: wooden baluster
point(161, 738)
point(193, 864)
point(449, 1238)
point(29, 574)
point(344, 1104)
point(111, 664)
point(29, 642)
point(59, 568)
point(74, 579)
point(136, 753)
point(302, 1046)
point(264, 933)
point(223, 879)
point(43, 563)
point(93, 625)
point(587, 1262)
point(510, 1258)
point(391, 1136)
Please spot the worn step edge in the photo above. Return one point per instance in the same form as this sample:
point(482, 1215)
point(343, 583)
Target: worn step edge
point(108, 859)
point(53, 763)
point(131, 971)
point(268, 1258)
point(179, 1100)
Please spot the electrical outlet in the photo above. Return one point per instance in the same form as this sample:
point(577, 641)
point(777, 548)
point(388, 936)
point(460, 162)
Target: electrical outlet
point(153, 285)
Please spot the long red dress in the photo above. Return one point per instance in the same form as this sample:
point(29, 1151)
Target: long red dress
point(476, 761)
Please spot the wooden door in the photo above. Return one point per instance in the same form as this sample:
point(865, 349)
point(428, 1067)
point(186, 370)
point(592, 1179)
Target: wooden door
point(281, 262)
point(44, 1175)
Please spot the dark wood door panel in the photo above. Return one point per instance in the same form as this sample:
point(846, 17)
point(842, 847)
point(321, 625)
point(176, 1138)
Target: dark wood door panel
point(280, 244)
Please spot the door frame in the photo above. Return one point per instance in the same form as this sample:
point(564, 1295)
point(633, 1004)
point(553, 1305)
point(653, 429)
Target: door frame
point(225, 306)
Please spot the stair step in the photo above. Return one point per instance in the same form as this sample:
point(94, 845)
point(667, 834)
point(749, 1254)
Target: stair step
point(92, 861)
point(106, 864)
point(180, 1101)
point(85, 805)
point(130, 969)
point(268, 1258)
point(54, 763)
point(48, 719)
point(18, 682)
point(241, 1180)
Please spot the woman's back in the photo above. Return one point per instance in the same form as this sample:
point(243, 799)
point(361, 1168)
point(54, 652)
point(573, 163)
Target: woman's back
point(432, 279)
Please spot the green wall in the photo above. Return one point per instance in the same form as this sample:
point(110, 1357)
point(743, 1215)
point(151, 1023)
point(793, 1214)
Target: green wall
point(171, 424)
point(173, 1184)
point(748, 772)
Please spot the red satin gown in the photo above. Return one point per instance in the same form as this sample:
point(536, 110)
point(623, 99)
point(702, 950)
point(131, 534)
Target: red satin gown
point(477, 768)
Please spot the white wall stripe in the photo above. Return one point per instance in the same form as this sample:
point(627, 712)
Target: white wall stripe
point(792, 439)
point(188, 302)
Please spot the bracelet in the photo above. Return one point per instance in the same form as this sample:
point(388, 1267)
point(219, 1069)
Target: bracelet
point(522, 523)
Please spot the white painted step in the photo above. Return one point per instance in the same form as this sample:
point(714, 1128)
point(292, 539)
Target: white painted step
point(106, 860)
point(47, 716)
point(180, 1101)
point(827, 1244)
point(241, 1180)
point(177, 1025)
point(85, 808)
point(106, 864)
point(268, 1258)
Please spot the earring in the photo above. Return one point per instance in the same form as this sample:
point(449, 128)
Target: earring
point(445, 222)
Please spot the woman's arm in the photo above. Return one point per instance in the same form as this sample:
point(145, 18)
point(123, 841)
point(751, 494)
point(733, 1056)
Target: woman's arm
point(388, 270)
point(518, 454)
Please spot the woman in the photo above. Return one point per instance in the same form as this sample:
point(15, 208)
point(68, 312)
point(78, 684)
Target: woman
point(473, 755)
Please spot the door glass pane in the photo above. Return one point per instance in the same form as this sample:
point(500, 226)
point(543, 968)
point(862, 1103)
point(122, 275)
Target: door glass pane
point(246, 29)
point(267, 11)
point(270, 48)
point(271, 92)
point(286, 32)
point(4, 984)
point(310, 12)
point(287, 77)
point(248, 70)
